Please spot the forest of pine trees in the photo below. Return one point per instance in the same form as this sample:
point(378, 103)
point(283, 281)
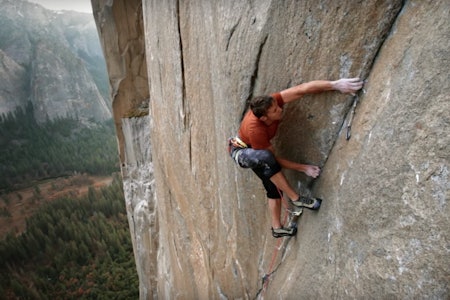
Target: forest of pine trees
point(31, 151)
point(72, 249)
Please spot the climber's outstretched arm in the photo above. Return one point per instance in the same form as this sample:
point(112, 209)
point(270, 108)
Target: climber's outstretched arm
point(344, 85)
point(310, 170)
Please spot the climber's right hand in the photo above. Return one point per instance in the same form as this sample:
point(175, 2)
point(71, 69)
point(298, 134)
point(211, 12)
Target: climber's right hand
point(348, 85)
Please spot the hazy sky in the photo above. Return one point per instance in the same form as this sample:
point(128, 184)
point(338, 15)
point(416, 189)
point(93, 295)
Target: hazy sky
point(77, 5)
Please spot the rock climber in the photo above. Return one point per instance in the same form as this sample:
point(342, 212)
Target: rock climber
point(252, 147)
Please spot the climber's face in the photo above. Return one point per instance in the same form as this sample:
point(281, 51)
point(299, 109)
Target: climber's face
point(274, 113)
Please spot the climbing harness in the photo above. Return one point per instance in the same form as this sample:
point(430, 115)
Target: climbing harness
point(235, 144)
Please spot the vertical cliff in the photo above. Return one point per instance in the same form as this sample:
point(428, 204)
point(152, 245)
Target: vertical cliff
point(120, 25)
point(200, 224)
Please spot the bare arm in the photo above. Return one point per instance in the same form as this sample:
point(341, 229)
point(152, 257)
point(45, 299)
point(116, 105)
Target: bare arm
point(309, 170)
point(344, 85)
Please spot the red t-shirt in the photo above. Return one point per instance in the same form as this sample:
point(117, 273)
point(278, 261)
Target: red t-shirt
point(254, 132)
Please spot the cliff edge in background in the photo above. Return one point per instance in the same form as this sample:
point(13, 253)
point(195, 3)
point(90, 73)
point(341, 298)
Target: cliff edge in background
point(53, 60)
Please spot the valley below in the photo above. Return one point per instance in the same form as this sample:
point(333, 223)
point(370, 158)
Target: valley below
point(18, 205)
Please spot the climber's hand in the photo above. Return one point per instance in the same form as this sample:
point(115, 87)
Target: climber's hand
point(348, 85)
point(312, 171)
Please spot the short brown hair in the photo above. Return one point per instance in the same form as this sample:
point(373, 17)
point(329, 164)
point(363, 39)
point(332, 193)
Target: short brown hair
point(259, 105)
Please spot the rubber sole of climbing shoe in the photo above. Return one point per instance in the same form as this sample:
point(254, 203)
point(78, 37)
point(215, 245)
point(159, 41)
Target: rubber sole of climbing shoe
point(310, 203)
point(296, 211)
point(282, 232)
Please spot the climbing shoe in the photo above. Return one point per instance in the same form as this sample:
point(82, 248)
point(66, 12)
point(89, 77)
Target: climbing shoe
point(296, 212)
point(280, 232)
point(311, 203)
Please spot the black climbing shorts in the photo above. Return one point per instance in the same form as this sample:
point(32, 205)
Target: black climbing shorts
point(263, 163)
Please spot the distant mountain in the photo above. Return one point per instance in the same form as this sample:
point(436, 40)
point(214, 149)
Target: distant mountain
point(53, 59)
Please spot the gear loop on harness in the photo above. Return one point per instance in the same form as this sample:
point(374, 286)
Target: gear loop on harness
point(235, 145)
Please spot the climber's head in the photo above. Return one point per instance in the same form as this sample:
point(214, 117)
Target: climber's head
point(266, 108)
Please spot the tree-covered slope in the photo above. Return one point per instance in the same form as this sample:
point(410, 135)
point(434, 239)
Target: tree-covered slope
point(72, 249)
point(31, 151)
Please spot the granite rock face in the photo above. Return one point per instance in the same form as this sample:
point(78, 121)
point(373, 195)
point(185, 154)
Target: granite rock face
point(13, 84)
point(138, 184)
point(200, 224)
